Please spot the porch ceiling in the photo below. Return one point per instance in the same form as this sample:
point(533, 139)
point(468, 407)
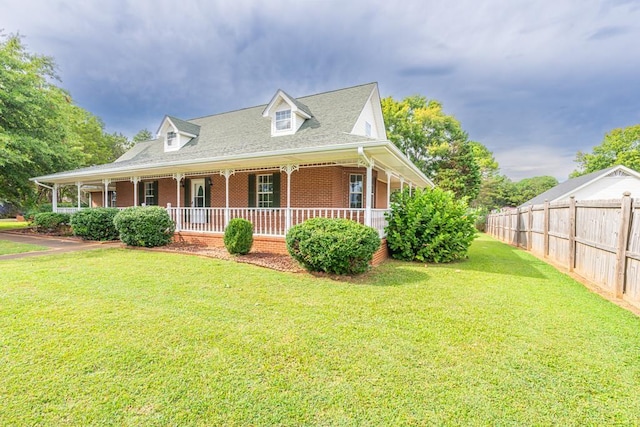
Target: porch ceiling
point(385, 155)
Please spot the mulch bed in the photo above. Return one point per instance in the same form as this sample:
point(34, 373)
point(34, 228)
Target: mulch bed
point(263, 259)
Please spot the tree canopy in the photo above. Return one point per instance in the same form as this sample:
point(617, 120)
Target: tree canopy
point(434, 141)
point(41, 130)
point(619, 147)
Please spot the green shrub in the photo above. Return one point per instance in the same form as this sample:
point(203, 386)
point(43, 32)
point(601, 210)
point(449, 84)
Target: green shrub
point(50, 221)
point(430, 226)
point(238, 236)
point(95, 224)
point(339, 246)
point(480, 221)
point(144, 226)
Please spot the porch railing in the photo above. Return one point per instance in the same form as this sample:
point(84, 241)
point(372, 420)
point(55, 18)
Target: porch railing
point(266, 222)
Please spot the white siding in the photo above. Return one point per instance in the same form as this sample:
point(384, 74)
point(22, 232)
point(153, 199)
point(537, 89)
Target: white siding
point(610, 188)
point(372, 114)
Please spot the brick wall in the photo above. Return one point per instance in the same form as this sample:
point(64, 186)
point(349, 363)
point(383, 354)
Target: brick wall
point(321, 187)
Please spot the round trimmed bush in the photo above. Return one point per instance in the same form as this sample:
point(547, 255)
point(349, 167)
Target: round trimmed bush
point(430, 225)
point(338, 246)
point(238, 236)
point(95, 224)
point(144, 226)
point(50, 221)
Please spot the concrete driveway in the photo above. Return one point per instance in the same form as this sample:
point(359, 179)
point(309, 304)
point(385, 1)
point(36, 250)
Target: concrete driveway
point(55, 244)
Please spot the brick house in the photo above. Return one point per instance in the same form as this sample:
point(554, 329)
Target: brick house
point(276, 165)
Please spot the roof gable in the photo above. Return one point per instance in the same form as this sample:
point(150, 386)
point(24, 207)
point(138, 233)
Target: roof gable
point(296, 106)
point(565, 189)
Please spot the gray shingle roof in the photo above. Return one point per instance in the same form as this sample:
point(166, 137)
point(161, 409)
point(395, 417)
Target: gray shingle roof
point(247, 132)
point(299, 104)
point(184, 126)
point(566, 187)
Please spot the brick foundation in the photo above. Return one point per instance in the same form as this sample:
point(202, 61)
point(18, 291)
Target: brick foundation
point(275, 245)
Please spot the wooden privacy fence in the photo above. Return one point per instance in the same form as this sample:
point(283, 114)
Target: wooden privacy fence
point(599, 240)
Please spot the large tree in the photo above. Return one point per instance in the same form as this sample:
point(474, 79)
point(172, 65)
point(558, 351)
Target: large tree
point(434, 141)
point(41, 130)
point(619, 147)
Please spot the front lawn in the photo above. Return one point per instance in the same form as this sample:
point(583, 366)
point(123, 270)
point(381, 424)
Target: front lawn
point(7, 247)
point(10, 224)
point(126, 337)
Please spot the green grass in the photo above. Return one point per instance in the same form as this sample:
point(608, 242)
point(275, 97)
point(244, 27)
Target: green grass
point(10, 224)
point(7, 247)
point(164, 339)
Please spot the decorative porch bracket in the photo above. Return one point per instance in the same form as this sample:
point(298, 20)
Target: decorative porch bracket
point(369, 164)
point(227, 174)
point(178, 177)
point(289, 169)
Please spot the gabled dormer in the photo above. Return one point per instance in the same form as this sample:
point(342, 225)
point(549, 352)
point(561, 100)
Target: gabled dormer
point(370, 122)
point(287, 114)
point(175, 133)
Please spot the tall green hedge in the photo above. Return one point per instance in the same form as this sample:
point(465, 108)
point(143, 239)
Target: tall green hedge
point(95, 224)
point(339, 246)
point(430, 225)
point(144, 226)
point(50, 221)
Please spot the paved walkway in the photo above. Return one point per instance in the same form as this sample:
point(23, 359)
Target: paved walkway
point(55, 244)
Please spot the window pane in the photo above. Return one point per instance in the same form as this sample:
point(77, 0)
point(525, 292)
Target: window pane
point(265, 191)
point(283, 120)
point(355, 191)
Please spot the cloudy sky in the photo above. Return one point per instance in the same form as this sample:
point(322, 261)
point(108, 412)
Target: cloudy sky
point(535, 80)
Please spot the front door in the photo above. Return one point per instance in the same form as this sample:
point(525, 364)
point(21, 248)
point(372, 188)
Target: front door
point(198, 200)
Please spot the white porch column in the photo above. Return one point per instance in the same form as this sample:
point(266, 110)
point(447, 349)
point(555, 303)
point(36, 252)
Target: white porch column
point(388, 190)
point(227, 174)
point(105, 201)
point(367, 211)
point(135, 181)
point(289, 169)
point(54, 198)
point(178, 178)
point(410, 189)
point(79, 185)
point(368, 163)
point(401, 184)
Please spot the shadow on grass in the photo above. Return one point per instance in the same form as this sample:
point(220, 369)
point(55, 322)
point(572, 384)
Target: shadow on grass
point(486, 255)
point(491, 256)
point(390, 273)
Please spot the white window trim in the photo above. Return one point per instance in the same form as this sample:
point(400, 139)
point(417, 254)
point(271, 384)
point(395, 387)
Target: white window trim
point(361, 192)
point(171, 136)
point(148, 192)
point(287, 119)
point(262, 203)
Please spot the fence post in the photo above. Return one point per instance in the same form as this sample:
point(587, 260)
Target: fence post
point(517, 231)
point(530, 228)
point(572, 233)
point(545, 249)
point(623, 241)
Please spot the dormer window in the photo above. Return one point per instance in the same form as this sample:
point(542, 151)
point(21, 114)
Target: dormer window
point(171, 136)
point(287, 114)
point(283, 120)
point(367, 129)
